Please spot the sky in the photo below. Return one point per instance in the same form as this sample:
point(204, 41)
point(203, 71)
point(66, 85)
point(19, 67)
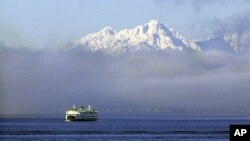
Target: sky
point(50, 23)
point(37, 80)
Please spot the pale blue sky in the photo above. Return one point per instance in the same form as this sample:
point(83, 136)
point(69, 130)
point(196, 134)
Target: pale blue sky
point(50, 23)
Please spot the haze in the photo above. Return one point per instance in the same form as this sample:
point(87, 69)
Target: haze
point(36, 78)
point(48, 82)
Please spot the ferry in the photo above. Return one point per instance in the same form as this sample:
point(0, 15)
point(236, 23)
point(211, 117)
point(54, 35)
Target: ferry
point(81, 114)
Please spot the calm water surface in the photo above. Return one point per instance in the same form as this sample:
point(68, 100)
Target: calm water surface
point(118, 129)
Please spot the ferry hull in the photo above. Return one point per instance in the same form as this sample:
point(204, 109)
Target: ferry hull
point(82, 117)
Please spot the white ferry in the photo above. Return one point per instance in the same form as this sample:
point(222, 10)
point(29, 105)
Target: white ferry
point(81, 114)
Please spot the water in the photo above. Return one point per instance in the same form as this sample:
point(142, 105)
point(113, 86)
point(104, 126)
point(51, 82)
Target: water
point(118, 129)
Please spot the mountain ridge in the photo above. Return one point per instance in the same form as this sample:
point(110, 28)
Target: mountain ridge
point(155, 36)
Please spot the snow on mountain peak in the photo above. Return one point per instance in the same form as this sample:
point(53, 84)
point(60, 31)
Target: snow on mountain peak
point(153, 24)
point(152, 35)
point(107, 31)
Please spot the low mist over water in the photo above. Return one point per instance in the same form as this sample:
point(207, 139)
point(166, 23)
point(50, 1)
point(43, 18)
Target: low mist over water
point(48, 82)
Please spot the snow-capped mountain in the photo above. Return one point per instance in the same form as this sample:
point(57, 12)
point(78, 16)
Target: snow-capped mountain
point(157, 36)
point(152, 35)
point(229, 42)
